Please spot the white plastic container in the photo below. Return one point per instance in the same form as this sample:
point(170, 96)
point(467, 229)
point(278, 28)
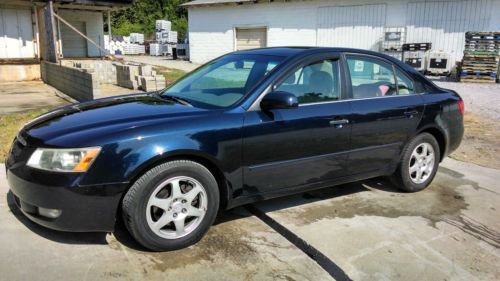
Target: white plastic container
point(439, 63)
point(163, 25)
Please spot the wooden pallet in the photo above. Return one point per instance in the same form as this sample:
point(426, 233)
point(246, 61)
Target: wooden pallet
point(487, 59)
point(477, 80)
point(478, 74)
point(481, 53)
point(478, 63)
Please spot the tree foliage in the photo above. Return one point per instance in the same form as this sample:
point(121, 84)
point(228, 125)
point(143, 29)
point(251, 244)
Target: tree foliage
point(142, 16)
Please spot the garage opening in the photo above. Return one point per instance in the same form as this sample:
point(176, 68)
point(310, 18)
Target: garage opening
point(251, 38)
point(74, 45)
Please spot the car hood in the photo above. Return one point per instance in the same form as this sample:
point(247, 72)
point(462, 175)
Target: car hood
point(105, 116)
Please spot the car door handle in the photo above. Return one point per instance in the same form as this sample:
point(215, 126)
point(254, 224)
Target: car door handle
point(339, 123)
point(411, 113)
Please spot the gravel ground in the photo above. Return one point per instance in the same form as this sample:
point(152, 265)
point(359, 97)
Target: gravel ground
point(481, 142)
point(162, 61)
point(482, 99)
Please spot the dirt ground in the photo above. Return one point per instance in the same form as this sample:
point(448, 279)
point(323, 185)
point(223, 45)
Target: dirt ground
point(481, 142)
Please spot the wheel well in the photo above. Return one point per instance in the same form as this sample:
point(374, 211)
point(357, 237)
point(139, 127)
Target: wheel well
point(439, 138)
point(219, 176)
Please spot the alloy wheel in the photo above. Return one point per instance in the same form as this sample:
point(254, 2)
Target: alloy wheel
point(422, 163)
point(176, 207)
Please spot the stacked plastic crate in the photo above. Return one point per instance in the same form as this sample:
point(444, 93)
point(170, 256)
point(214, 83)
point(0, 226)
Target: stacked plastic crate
point(165, 38)
point(394, 38)
point(481, 57)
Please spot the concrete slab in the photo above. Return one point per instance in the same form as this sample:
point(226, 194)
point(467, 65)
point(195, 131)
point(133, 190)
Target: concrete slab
point(110, 90)
point(450, 231)
point(23, 96)
point(238, 247)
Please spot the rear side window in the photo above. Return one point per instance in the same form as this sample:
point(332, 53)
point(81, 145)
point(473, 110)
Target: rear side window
point(315, 82)
point(371, 77)
point(405, 84)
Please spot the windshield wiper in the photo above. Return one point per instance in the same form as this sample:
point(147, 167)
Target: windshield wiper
point(176, 99)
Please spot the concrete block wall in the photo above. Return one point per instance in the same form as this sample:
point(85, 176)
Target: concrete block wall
point(105, 71)
point(80, 85)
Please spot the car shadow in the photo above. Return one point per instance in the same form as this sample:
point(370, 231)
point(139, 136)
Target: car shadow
point(123, 236)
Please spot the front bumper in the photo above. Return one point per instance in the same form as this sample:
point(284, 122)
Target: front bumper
point(82, 208)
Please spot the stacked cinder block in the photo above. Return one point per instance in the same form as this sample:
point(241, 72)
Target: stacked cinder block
point(105, 71)
point(139, 77)
point(125, 75)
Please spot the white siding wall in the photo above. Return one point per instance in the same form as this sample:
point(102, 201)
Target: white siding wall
point(16, 33)
point(355, 25)
point(444, 23)
point(94, 28)
point(301, 23)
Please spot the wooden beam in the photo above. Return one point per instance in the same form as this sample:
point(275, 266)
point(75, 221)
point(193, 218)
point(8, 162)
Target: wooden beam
point(50, 35)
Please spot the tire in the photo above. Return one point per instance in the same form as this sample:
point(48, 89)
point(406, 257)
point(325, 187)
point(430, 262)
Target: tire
point(412, 158)
point(153, 201)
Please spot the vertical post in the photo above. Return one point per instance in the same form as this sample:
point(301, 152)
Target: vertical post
point(51, 52)
point(37, 33)
point(109, 27)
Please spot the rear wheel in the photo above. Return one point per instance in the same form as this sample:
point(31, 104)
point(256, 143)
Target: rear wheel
point(172, 205)
point(419, 163)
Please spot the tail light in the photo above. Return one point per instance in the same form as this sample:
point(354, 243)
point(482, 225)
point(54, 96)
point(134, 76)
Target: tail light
point(461, 106)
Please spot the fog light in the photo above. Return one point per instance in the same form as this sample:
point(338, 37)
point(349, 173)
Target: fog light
point(49, 213)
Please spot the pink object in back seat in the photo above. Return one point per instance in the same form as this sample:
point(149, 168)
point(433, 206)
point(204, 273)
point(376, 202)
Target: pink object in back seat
point(382, 90)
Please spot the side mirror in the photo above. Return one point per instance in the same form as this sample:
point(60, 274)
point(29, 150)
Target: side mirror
point(279, 100)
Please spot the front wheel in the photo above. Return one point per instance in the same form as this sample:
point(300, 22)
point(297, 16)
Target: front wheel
point(419, 163)
point(171, 206)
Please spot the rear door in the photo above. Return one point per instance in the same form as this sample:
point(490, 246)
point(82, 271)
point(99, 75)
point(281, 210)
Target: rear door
point(386, 110)
point(299, 147)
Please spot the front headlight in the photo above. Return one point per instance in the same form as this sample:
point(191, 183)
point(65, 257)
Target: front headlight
point(63, 160)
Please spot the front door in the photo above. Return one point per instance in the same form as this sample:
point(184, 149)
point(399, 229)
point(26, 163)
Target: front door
point(298, 147)
point(385, 112)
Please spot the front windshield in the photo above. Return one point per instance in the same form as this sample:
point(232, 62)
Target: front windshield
point(223, 82)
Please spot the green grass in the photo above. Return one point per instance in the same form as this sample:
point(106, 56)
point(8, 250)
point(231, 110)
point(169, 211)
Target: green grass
point(171, 75)
point(10, 125)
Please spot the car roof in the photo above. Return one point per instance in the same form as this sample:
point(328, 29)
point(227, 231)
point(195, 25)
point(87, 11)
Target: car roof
point(298, 50)
point(274, 51)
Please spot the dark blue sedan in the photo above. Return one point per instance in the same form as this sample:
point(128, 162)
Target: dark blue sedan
point(247, 126)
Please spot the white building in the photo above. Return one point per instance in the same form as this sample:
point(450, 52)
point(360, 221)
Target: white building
point(217, 27)
point(24, 33)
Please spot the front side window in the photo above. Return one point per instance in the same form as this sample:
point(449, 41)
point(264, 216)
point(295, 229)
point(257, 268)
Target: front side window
point(316, 82)
point(371, 77)
point(223, 82)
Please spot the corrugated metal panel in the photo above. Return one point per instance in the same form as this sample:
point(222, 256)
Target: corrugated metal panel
point(443, 23)
point(16, 34)
point(74, 45)
point(360, 26)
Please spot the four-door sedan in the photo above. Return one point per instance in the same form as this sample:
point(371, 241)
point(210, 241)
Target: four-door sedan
point(247, 126)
